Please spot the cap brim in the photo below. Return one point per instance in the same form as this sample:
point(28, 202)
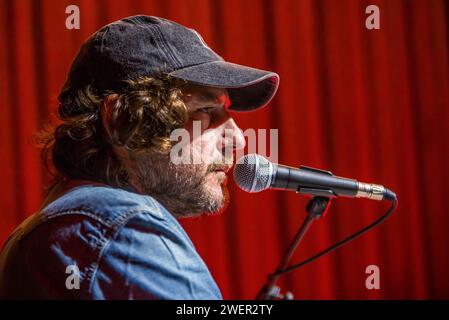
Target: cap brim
point(248, 88)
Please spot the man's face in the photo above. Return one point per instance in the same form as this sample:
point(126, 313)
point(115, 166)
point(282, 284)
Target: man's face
point(198, 184)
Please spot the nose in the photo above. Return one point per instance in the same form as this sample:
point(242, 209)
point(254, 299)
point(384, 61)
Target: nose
point(233, 137)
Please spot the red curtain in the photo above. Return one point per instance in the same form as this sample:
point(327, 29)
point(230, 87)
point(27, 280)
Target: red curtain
point(367, 104)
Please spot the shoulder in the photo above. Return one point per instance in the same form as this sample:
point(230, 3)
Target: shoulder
point(150, 260)
point(73, 232)
point(109, 205)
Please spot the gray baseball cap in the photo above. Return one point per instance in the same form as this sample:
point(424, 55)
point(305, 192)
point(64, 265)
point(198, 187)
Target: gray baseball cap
point(146, 46)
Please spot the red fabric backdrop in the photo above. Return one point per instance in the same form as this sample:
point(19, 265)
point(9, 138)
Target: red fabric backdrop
point(372, 105)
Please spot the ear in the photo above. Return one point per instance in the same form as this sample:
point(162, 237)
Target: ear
point(107, 108)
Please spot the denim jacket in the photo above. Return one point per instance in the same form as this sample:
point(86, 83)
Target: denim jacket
point(100, 242)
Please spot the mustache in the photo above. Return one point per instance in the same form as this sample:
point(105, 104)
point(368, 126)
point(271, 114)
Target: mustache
point(216, 167)
point(221, 166)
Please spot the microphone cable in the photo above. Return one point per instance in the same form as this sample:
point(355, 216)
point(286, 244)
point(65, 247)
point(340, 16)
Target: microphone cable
point(339, 243)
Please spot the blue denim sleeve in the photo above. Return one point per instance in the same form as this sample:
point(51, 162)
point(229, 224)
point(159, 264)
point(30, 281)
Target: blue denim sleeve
point(151, 258)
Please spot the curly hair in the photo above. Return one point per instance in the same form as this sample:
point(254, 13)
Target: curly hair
point(144, 115)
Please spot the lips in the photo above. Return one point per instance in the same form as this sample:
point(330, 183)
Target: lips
point(220, 168)
point(224, 169)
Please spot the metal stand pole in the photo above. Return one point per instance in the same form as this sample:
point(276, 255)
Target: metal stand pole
point(316, 208)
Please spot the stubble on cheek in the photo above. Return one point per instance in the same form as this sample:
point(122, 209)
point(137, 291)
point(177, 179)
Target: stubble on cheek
point(185, 189)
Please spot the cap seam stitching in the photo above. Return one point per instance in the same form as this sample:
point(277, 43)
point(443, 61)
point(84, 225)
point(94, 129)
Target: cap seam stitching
point(152, 28)
point(176, 63)
point(106, 30)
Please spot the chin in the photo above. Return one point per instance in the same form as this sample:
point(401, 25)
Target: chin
point(219, 201)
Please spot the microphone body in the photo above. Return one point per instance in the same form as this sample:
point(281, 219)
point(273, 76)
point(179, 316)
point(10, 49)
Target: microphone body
point(254, 173)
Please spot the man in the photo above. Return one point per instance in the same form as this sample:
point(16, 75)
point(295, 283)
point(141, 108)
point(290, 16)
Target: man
point(108, 229)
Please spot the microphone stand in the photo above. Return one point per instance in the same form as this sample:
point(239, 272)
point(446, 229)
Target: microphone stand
point(316, 208)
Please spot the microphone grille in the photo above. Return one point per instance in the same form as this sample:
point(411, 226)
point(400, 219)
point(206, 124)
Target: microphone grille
point(253, 173)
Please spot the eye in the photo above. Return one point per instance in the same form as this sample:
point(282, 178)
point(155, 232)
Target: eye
point(205, 110)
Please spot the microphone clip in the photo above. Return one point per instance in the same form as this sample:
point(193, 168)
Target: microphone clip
point(317, 207)
point(321, 193)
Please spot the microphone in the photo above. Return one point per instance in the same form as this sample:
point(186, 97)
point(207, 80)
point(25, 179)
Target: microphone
point(254, 173)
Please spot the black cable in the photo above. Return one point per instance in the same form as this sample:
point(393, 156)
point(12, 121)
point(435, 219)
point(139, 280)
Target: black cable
point(341, 242)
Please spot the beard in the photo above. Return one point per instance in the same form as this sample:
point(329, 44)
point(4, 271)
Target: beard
point(186, 190)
